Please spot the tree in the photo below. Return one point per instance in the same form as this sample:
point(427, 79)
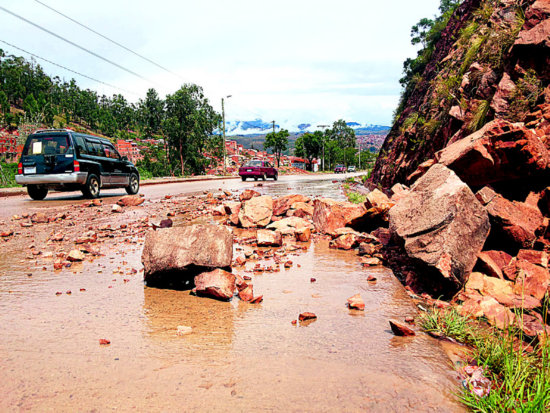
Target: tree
point(278, 142)
point(344, 136)
point(189, 121)
point(152, 111)
point(30, 105)
point(4, 103)
point(309, 145)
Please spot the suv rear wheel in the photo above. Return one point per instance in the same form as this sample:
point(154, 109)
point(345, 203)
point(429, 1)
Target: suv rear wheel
point(133, 187)
point(91, 188)
point(37, 192)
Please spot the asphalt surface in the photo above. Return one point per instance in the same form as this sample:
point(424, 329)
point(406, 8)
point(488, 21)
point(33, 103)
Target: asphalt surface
point(20, 204)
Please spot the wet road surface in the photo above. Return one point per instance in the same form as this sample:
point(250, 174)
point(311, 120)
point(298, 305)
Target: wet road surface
point(239, 356)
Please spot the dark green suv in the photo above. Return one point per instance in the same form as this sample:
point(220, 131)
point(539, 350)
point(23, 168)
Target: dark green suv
point(64, 160)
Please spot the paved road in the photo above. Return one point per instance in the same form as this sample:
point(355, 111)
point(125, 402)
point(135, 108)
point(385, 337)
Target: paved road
point(21, 204)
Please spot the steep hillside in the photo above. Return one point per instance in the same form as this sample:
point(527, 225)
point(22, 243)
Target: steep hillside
point(491, 62)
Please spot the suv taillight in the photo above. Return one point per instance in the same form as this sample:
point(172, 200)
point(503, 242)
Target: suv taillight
point(76, 166)
point(20, 168)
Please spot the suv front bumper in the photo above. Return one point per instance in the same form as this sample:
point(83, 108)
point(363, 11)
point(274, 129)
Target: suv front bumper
point(54, 179)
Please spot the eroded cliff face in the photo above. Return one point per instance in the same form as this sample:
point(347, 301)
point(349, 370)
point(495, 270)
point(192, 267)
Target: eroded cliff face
point(488, 74)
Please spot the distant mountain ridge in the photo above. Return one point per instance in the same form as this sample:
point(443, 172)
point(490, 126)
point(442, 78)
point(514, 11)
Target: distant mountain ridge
point(260, 127)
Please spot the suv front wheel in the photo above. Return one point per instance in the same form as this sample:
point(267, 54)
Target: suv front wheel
point(92, 187)
point(37, 192)
point(133, 187)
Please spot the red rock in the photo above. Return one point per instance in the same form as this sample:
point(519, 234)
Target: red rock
point(290, 225)
point(345, 242)
point(104, 342)
point(441, 226)
point(57, 265)
point(176, 250)
point(377, 199)
point(421, 170)
point(371, 278)
point(493, 262)
point(232, 208)
point(75, 255)
point(39, 218)
point(267, 238)
point(307, 316)
point(499, 151)
point(293, 322)
point(283, 204)
point(257, 300)
point(531, 279)
point(247, 278)
point(256, 212)
point(130, 200)
point(366, 248)
point(300, 209)
point(329, 215)
point(246, 294)
point(218, 210)
point(288, 264)
point(400, 329)
point(514, 221)
point(544, 202)
point(58, 293)
point(355, 302)
point(312, 280)
point(6, 234)
point(536, 36)
point(303, 234)
point(116, 208)
point(370, 261)
point(534, 257)
point(409, 320)
point(500, 103)
point(218, 284)
point(248, 194)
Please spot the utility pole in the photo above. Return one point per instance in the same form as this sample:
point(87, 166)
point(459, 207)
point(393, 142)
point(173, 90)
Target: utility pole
point(223, 135)
point(324, 136)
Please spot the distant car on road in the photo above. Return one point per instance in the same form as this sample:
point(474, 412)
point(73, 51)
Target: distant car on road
point(258, 169)
point(340, 169)
point(351, 168)
point(64, 160)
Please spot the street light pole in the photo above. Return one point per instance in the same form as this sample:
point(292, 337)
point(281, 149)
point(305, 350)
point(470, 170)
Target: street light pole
point(223, 134)
point(324, 136)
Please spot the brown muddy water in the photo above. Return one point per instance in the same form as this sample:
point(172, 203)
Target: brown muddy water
point(238, 357)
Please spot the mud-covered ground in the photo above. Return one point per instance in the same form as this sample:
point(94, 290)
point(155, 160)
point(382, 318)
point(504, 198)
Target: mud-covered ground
point(238, 356)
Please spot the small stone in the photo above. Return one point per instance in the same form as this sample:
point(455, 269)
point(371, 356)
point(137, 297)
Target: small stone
point(183, 330)
point(307, 316)
point(104, 342)
point(356, 302)
point(312, 280)
point(401, 329)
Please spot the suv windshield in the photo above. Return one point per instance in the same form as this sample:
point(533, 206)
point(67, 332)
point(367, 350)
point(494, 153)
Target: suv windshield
point(46, 145)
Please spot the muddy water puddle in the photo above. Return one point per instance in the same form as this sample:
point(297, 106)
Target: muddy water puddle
point(238, 357)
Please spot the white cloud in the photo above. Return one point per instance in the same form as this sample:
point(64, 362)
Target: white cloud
point(310, 60)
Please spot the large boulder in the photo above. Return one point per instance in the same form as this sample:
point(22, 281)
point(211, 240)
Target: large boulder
point(497, 152)
point(329, 215)
point(300, 209)
point(440, 225)
point(513, 223)
point(217, 284)
point(256, 212)
point(175, 255)
point(283, 204)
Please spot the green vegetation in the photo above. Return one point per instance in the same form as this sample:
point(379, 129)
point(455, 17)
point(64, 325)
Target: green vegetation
point(525, 96)
point(356, 197)
point(479, 116)
point(7, 175)
point(184, 120)
point(520, 377)
point(278, 142)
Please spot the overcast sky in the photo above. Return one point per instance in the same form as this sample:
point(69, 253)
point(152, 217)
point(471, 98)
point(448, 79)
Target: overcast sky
point(312, 61)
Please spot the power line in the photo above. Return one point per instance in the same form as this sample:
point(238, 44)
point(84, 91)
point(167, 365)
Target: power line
point(76, 45)
point(108, 39)
point(70, 70)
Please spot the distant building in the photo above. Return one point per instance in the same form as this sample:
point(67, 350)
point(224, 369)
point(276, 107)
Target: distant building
point(129, 149)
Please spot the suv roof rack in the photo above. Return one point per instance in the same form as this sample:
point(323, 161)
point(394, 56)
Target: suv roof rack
point(53, 130)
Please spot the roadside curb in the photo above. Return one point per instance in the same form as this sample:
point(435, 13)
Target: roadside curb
point(17, 191)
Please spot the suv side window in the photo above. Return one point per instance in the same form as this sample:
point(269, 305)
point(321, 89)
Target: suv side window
point(96, 148)
point(80, 143)
point(110, 151)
